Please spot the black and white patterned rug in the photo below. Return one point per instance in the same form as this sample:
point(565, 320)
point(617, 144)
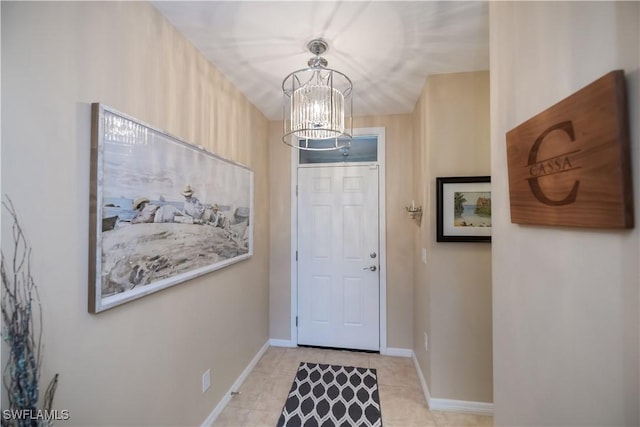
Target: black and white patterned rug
point(331, 395)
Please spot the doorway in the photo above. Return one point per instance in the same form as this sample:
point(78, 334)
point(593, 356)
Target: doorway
point(339, 258)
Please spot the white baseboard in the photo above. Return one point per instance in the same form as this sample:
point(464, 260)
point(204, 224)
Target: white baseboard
point(423, 382)
point(478, 408)
point(399, 352)
point(281, 343)
point(390, 351)
point(236, 385)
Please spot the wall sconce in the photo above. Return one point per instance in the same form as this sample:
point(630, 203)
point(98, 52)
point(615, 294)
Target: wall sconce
point(415, 212)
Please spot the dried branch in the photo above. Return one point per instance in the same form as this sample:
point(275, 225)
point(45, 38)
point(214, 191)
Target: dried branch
point(21, 307)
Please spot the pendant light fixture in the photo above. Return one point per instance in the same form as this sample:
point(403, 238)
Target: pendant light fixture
point(317, 105)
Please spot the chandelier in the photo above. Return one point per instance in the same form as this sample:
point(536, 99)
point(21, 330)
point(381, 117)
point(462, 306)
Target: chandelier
point(317, 105)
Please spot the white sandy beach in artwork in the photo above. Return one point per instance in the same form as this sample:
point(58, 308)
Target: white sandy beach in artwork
point(472, 221)
point(136, 255)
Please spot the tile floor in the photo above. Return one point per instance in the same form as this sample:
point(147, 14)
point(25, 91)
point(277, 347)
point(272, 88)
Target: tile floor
point(401, 398)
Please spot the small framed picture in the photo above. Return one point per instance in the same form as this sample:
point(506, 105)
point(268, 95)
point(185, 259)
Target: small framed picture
point(463, 209)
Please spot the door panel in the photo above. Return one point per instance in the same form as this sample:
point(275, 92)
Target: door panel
point(320, 299)
point(353, 298)
point(338, 291)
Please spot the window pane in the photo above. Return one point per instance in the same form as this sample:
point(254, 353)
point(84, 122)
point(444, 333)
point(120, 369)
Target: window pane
point(362, 149)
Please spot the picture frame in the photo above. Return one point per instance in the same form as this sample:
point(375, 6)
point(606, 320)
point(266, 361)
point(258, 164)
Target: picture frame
point(463, 209)
point(162, 211)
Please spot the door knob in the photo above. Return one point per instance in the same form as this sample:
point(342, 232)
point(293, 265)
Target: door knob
point(372, 268)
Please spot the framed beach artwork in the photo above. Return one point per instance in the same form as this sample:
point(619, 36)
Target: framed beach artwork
point(162, 211)
point(463, 209)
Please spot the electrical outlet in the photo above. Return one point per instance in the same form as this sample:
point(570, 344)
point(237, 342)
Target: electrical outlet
point(424, 256)
point(426, 342)
point(206, 380)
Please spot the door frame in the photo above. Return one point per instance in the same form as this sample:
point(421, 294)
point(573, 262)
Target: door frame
point(379, 132)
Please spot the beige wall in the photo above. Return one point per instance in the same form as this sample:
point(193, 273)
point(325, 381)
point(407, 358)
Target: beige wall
point(453, 289)
point(139, 363)
point(565, 300)
point(399, 230)
point(280, 232)
point(422, 193)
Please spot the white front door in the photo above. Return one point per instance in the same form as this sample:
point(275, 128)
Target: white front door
point(338, 257)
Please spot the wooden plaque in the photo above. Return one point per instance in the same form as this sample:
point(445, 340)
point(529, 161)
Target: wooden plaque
point(570, 164)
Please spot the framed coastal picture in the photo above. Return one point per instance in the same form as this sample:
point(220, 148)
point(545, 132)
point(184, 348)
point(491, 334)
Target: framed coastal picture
point(162, 211)
point(463, 209)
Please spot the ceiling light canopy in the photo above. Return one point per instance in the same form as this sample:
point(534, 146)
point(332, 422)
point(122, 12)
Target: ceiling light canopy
point(317, 104)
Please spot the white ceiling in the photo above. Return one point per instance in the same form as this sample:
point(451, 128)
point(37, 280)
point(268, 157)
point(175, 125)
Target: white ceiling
point(387, 48)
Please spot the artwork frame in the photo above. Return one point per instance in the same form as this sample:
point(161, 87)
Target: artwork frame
point(162, 211)
point(450, 209)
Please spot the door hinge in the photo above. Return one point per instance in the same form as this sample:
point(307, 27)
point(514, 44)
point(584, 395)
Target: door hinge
point(296, 189)
point(296, 321)
point(296, 255)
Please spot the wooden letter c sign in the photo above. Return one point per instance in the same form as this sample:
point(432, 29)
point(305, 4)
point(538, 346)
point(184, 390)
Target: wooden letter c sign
point(570, 164)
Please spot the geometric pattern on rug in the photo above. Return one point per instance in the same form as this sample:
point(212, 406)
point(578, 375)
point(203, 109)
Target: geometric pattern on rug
point(330, 396)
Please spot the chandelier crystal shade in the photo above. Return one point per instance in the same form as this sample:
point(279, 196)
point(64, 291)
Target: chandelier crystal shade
point(317, 105)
